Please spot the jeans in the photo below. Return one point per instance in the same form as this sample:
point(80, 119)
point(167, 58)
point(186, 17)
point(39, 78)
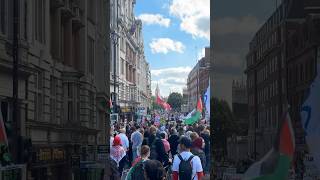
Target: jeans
point(135, 152)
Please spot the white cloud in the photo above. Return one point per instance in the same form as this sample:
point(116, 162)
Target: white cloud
point(201, 53)
point(169, 79)
point(164, 45)
point(194, 16)
point(154, 19)
point(231, 25)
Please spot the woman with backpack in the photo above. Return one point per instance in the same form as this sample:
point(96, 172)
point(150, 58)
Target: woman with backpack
point(136, 172)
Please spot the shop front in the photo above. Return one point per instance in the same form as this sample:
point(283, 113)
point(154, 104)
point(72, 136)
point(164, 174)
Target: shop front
point(89, 167)
point(52, 163)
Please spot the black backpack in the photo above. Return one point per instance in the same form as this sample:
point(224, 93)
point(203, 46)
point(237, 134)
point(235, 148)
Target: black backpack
point(185, 168)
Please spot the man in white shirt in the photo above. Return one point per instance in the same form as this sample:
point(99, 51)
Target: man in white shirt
point(197, 172)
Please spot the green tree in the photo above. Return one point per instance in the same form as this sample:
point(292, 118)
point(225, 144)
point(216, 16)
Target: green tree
point(224, 126)
point(175, 101)
point(154, 105)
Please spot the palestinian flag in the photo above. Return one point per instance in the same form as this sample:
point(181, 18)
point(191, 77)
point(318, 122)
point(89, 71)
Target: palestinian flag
point(276, 163)
point(160, 101)
point(195, 115)
point(3, 134)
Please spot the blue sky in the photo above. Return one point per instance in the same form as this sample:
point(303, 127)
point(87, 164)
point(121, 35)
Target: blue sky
point(172, 43)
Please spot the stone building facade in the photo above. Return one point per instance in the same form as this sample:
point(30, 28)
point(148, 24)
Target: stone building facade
point(198, 80)
point(289, 61)
point(133, 78)
point(62, 81)
point(266, 83)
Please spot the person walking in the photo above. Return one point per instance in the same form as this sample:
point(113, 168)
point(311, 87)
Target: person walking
point(136, 172)
point(136, 139)
point(118, 153)
point(186, 166)
point(124, 139)
point(154, 170)
point(174, 141)
point(157, 150)
point(197, 149)
point(205, 134)
point(165, 142)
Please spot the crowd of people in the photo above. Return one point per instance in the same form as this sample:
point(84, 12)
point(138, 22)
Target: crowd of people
point(169, 150)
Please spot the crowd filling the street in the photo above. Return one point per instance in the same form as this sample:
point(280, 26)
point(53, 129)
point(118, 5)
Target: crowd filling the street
point(169, 150)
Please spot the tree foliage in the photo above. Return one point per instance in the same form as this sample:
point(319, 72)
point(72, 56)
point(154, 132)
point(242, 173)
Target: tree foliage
point(155, 106)
point(223, 122)
point(175, 101)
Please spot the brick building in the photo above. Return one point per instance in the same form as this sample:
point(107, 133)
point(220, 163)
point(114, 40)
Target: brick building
point(198, 80)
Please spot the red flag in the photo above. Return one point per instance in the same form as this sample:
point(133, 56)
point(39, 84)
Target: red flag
point(3, 134)
point(287, 142)
point(199, 105)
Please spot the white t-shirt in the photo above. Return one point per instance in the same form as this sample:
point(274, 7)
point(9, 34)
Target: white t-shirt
point(195, 163)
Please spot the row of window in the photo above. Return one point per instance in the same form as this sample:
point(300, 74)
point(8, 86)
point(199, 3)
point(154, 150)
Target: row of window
point(268, 118)
point(268, 92)
point(269, 68)
point(269, 43)
point(273, 21)
point(71, 101)
point(302, 72)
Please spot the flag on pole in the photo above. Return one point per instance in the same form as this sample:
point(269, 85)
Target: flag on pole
point(199, 105)
point(310, 117)
point(195, 115)
point(206, 100)
point(161, 102)
point(276, 163)
point(3, 134)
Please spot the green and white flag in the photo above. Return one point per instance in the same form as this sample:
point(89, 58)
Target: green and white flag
point(275, 165)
